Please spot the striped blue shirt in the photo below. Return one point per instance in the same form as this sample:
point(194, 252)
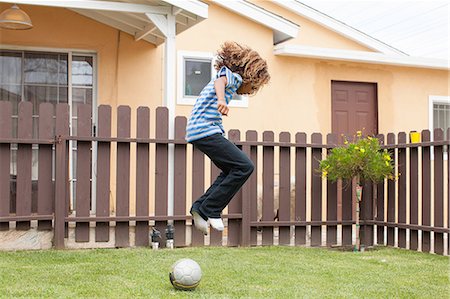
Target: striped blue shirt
point(205, 119)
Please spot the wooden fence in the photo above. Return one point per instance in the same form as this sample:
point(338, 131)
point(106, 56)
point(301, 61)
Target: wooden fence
point(408, 213)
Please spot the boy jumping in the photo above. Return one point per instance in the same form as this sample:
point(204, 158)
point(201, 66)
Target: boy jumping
point(239, 70)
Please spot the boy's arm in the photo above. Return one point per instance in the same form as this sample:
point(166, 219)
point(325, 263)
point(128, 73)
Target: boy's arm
point(219, 86)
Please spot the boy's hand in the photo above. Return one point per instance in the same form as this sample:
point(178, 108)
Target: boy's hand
point(222, 107)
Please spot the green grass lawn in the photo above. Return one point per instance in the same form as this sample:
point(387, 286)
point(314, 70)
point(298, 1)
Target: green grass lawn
point(261, 272)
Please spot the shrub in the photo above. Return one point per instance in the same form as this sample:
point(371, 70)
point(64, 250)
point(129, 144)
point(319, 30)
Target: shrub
point(363, 158)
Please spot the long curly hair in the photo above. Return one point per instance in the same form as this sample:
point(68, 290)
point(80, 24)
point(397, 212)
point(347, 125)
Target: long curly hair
point(244, 61)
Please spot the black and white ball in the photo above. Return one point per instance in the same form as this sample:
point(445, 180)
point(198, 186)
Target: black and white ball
point(185, 274)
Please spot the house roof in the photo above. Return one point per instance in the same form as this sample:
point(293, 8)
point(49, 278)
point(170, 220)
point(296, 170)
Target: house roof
point(337, 26)
point(283, 29)
point(133, 16)
point(418, 28)
point(385, 54)
point(360, 56)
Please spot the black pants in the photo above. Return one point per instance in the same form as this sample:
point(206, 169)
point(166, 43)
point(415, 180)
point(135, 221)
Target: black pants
point(236, 168)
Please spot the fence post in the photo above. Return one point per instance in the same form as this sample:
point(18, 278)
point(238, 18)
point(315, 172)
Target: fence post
point(235, 226)
point(5, 158)
point(401, 202)
point(246, 210)
point(62, 131)
point(250, 191)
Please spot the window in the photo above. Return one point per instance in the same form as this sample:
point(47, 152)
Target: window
point(53, 77)
point(439, 116)
point(195, 70)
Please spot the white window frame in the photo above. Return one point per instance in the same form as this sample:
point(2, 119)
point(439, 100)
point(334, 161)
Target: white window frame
point(433, 99)
point(181, 98)
point(71, 52)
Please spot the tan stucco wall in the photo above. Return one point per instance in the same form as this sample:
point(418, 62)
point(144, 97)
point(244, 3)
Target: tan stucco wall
point(310, 33)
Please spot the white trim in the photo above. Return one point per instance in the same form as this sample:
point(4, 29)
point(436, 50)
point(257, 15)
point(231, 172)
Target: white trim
point(181, 56)
point(242, 102)
point(260, 16)
point(45, 49)
point(160, 22)
point(336, 26)
point(431, 101)
point(360, 56)
point(181, 98)
point(70, 53)
point(169, 100)
point(94, 124)
point(115, 23)
point(97, 5)
point(193, 6)
point(149, 28)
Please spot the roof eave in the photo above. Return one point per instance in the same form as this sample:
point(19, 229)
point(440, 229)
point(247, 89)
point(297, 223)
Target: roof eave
point(338, 27)
point(360, 56)
point(286, 29)
point(130, 17)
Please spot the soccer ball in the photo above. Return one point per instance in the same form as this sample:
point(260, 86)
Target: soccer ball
point(185, 274)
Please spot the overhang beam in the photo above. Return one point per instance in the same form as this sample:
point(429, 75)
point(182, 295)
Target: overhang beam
point(96, 5)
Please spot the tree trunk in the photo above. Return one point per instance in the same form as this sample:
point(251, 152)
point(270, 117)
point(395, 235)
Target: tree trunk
point(358, 200)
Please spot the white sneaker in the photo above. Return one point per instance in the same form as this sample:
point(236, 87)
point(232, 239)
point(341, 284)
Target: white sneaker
point(200, 223)
point(216, 223)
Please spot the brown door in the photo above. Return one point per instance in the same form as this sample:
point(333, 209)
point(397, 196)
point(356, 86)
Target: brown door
point(354, 108)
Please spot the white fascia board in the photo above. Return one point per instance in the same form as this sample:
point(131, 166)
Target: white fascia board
point(160, 22)
point(260, 16)
point(115, 23)
point(96, 5)
point(338, 27)
point(360, 56)
point(193, 6)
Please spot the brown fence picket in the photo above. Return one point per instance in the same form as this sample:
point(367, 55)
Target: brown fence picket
point(24, 154)
point(268, 188)
point(414, 196)
point(426, 191)
point(180, 182)
point(161, 169)
point(331, 201)
point(45, 184)
point(316, 190)
point(215, 237)
point(250, 192)
point(402, 190)
point(300, 188)
point(103, 173)
point(448, 190)
point(347, 211)
point(284, 203)
point(235, 206)
point(83, 173)
point(379, 214)
point(391, 196)
point(198, 188)
point(61, 175)
point(366, 208)
point(123, 176)
point(438, 192)
point(142, 175)
point(5, 164)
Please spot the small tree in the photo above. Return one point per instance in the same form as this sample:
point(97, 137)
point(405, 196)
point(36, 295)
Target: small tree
point(363, 160)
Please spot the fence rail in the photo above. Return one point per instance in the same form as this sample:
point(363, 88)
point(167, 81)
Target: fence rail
point(285, 201)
